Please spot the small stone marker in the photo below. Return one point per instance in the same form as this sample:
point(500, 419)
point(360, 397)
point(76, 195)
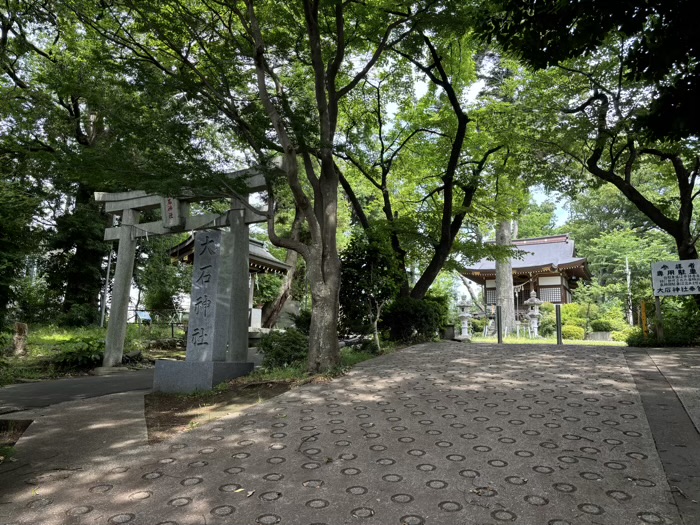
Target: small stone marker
point(19, 341)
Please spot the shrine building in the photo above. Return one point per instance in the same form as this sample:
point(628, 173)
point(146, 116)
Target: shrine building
point(546, 265)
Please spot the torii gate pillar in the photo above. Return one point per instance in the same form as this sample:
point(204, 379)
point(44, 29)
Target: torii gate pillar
point(116, 329)
point(237, 351)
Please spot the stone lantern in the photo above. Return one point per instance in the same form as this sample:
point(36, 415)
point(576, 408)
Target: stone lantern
point(534, 312)
point(464, 316)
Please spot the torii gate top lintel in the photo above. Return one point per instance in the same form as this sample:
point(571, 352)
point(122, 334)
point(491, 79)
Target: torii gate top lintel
point(139, 200)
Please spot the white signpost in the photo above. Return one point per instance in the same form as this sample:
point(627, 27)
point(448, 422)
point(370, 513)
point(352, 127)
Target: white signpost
point(675, 278)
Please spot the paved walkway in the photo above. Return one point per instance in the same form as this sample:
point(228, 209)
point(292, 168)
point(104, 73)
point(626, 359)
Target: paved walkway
point(682, 370)
point(25, 396)
point(435, 434)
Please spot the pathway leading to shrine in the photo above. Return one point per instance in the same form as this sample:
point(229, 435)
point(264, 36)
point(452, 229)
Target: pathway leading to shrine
point(442, 433)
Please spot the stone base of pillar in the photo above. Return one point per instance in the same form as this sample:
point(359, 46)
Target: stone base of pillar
point(184, 377)
point(463, 338)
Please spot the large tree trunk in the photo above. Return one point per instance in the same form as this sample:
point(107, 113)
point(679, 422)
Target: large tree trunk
point(324, 350)
point(80, 236)
point(504, 280)
point(323, 264)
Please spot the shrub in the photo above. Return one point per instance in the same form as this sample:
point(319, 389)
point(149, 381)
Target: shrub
point(572, 332)
point(636, 338)
point(602, 325)
point(621, 335)
point(80, 315)
point(5, 343)
point(573, 314)
point(413, 320)
point(548, 320)
point(34, 302)
point(370, 347)
point(302, 321)
point(267, 287)
point(371, 277)
point(681, 321)
point(281, 349)
point(78, 354)
point(478, 324)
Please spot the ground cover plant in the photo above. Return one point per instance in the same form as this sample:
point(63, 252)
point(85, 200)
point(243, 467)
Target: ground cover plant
point(53, 352)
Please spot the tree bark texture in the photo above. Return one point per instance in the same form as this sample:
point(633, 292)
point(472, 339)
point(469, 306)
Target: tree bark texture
point(271, 313)
point(504, 280)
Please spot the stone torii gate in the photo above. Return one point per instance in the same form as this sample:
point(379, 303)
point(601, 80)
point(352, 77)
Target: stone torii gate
point(228, 345)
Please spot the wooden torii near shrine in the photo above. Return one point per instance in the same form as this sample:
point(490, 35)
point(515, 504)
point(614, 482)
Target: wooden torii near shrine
point(176, 218)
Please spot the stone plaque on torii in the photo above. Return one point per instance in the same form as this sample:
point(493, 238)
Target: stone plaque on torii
point(217, 346)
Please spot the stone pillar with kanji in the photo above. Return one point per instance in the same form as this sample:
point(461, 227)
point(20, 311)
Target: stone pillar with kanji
point(209, 359)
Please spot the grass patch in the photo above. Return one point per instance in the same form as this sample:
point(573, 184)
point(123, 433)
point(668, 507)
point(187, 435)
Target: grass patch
point(54, 352)
point(10, 432)
point(6, 453)
point(350, 357)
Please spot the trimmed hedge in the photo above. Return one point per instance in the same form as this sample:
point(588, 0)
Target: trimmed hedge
point(602, 325)
point(572, 332)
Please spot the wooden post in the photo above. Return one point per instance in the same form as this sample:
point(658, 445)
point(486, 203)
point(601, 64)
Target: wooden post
point(645, 328)
point(659, 321)
point(499, 325)
point(560, 339)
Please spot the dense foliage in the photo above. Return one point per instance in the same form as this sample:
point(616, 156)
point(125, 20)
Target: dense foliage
point(395, 136)
point(280, 349)
point(414, 320)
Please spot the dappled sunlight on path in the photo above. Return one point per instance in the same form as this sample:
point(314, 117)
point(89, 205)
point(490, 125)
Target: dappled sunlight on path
point(440, 434)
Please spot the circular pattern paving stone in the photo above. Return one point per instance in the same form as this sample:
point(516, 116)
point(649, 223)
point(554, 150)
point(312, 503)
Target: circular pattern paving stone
point(317, 503)
point(79, 511)
point(179, 502)
point(566, 488)
point(268, 519)
point(39, 503)
point(121, 518)
point(411, 519)
point(536, 500)
point(223, 510)
point(450, 506)
point(618, 495)
point(504, 515)
point(362, 512)
point(101, 489)
point(590, 508)
point(141, 495)
point(651, 517)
